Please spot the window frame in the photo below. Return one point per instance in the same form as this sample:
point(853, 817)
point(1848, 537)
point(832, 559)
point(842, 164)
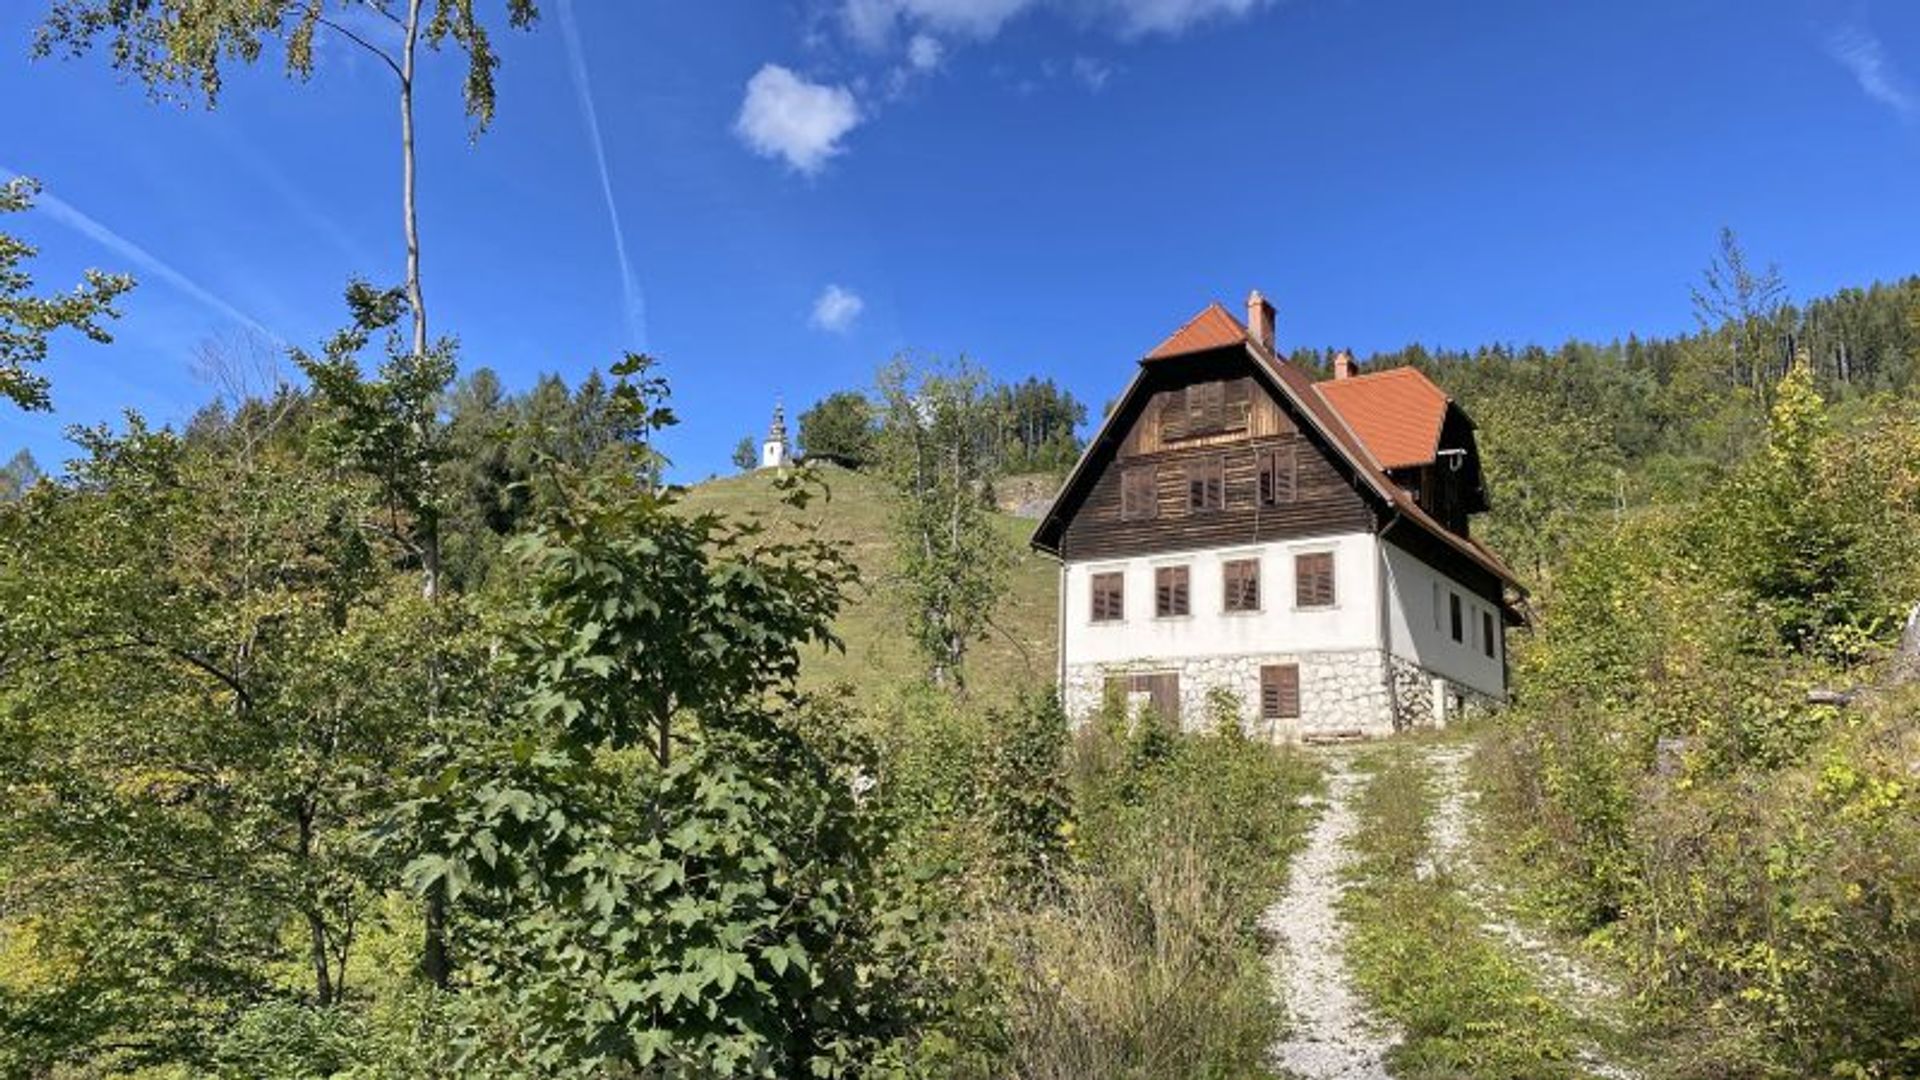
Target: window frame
point(1232, 591)
point(1270, 464)
point(1488, 628)
point(1280, 691)
point(1209, 476)
point(1456, 618)
point(1146, 478)
point(1302, 600)
point(1165, 592)
point(1116, 606)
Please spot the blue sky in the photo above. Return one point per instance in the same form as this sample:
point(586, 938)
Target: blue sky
point(803, 189)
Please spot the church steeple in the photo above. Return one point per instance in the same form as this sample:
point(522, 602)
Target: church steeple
point(773, 452)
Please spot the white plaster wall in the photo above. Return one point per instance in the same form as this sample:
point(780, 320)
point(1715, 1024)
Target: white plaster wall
point(1211, 631)
point(1421, 632)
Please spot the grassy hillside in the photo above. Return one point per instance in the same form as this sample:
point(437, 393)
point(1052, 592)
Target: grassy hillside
point(879, 656)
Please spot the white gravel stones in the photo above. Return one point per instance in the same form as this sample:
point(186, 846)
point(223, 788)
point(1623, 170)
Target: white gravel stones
point(1331, 1034)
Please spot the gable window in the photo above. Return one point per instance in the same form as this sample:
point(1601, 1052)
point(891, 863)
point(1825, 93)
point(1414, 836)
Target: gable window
point(1109, 597)
point(1240, 580)
point(1206, 407)
point(1313, 580)
point(1173, 416)
point(1139, 494)
point(1279, 476)
point(1454, 617)
point(1280, 692)
point(1170, 593)
point(1486, 633)
point(1207, 485)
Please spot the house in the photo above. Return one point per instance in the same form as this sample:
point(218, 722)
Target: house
point(1303, 545)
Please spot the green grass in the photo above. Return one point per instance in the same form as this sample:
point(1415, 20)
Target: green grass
point(1467, 1009)
point(879, 656)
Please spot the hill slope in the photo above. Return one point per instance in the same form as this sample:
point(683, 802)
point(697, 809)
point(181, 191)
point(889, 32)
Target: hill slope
point(879, 655)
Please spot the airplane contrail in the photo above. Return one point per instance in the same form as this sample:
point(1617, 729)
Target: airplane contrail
point(631, 294)
point(73, 218)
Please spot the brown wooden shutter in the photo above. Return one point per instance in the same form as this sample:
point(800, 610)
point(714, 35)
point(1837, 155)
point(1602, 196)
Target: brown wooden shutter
point(1109, 597)
point(1239, 407)
point(1207, 484)
point(1279, 472)
point(1173, 416)
point(1170, 591)
point(1280, 692)
point(1241, 581)
point(1139, 494)
point(1163, 696)
point(1313, 580)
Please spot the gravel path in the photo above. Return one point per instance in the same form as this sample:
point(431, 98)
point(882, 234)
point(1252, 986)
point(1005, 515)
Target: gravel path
point(1331, 1036)
point(1570, 982)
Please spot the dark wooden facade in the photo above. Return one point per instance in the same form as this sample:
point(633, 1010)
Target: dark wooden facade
point(1205, 423)
point(1450, 489)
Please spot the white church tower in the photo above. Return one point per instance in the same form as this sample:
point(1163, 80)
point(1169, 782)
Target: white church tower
point(773, 452)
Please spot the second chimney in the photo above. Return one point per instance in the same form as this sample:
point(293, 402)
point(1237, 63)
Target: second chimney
point(1260, 319)
point(1343, 365)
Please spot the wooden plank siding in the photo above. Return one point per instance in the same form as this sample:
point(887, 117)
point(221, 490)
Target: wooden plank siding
point(1325, 500)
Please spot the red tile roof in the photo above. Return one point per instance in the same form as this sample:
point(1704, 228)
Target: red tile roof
point(1397, 413)
point(1213, 328)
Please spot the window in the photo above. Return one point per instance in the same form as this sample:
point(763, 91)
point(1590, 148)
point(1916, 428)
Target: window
point(1162, 690)
point(1170, 591)
point(1139, 494)
point(1313, 580)
point(1109, 597)
point(1240, 581)
point(1206, 485)
point(1280, 692)
point(1436, 606)
point(1278, 476)
point(1206, 408)
point(1454, 617)
point(1173, 416)
point(1486, 633)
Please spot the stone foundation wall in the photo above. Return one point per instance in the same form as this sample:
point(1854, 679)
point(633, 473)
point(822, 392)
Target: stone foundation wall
point(1341, 693)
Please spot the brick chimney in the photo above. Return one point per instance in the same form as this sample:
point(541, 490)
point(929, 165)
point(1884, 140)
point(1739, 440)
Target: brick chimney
point(1260, 319)
point(1344, 366)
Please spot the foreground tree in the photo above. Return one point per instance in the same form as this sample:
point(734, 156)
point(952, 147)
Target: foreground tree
point(208, 676)
point(937, 452)
point(26, 321)
point(658, 849)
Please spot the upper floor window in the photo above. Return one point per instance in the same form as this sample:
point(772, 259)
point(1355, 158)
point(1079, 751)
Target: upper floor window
point(1313, 580)
point(1240, 581)
point(1279, 475)
point(1139, 494)
point(1109, 597)
point(1454, 617)
point(1170, 593)
point(1207, 485)
point(1486, 633)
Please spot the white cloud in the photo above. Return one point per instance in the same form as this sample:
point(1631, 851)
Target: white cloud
point(871, 22)
point(1092, 71)
point(836, 309)
point(785, 116)
point(1861, 53)
point(924, 52)
point(1170, 17)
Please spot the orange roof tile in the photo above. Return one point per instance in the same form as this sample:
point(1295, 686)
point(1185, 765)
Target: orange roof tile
point(1397, 413)
point(1213, 328)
